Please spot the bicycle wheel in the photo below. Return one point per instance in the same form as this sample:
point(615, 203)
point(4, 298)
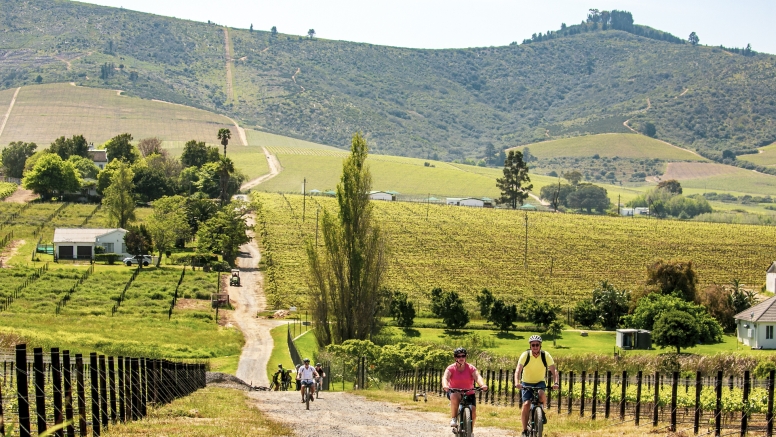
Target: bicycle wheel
point(307, 396)
point(465, 424)
point(538, 422)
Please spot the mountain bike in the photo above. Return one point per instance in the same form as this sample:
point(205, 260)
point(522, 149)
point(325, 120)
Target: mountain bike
point(306, 388)
point(464, 428)
point(536, 416)
point(318, 385)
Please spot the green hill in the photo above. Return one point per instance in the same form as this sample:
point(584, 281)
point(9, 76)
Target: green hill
point(423, 103)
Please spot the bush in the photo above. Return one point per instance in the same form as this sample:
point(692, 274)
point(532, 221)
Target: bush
point(107, 258)
point(220, 266)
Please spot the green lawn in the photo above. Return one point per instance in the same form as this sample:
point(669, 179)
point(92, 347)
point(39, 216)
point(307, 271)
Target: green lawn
point(610, 145)
point(307, 346)
point(280, 353)
point(767, 156)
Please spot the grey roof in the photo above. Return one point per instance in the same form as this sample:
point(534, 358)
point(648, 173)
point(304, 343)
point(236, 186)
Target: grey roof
point(79, 235)
point(98, 155)
point(772, 268)
point(764, 311)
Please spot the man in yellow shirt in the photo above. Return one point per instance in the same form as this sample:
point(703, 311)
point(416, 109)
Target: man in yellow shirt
point(532, 367)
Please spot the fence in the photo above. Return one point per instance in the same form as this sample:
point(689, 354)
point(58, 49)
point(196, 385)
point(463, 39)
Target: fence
point(126, 287)
point(12, 217)
point(175, 296)
point(5, 240)
point(62, 302)
point(702, 408)
point(16, 181)
point(48, 219)
point(5, 303)
point(118, 389)
point(91, 214)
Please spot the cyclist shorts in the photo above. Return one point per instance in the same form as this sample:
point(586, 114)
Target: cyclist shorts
point(526, 394)
point(307, 382)
point(472, 398)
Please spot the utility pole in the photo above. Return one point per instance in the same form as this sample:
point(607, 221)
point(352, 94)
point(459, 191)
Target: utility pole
point(525, 253)
point(618, 204)
point(304, 197)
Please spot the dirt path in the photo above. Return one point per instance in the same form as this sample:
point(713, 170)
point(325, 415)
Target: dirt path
point(228, 54)
point(274, 169)
point(8, 113)
point(298, 70)
point(9, 252)
point(21, 196)
point(248, 300)
point(542, 201)
point(240, 132)
point(347, 415)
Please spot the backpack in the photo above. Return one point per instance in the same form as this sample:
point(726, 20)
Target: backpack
point(527, 360)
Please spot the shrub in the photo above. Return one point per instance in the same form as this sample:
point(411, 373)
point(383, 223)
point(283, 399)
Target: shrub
point(108, 258)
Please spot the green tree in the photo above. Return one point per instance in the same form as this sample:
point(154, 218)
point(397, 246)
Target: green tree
point(52, 175)
point(225, 170)
point(555, 329)
point(85, 167)
point(453, 312)
point(741, 298)
point(346, 278)
point(585, 313)
point(556, 194)
point(120, 147)
point(138, 241)
point(574, 177)
point(14, 156)
point(273, 32)
point(436, 301)
point(198, 211)
point(588, 197)
point(224, 233)
point(503, 315)
point(652, 306)
point(197, 154)
point(224, 135)
point(677, 329)
point(672, 186)
point(674, 276)
point(119, 197)
point(67, 147)
point(485, 299)
point(311, 33)
point(151, 183)
point(168, 223)
point(513, 190)
point(649, 129)
point(539, 312)
point(718, 301)
point(611, 303)
point(402, 310)
point(693, 39)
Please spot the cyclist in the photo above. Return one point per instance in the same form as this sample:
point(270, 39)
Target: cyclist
point(532, 368)
point(306, 376)
point(278, 377)
point(321, 375)
point(461, 375)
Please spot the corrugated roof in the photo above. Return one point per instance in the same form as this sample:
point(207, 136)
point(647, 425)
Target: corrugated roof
point(764, 311)
point(80, 235)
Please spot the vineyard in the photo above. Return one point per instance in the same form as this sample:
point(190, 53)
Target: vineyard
point(6, 189)
point(468, 249)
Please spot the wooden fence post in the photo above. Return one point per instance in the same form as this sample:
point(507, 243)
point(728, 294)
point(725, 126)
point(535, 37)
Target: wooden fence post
point(144, 387)
point(112, 387)
point(769, 414)
point(512, 378)
point(56, 380)
point(122, 393)
point(623, 384)
point(500, 376)
point(40, 388)
point(571, 390)
point(608, 394)
point(68, 392)
point(135, 382)
point(81, 390)
point(674, 389)
point(655, 410)
point(638, 396)
point(94, 382)
point(698, 388)
point(22, 391)
point(595, 395)
point(582, 398)
point(718, 405)
point(560, 381)
point(103, 392)
point(744, 413)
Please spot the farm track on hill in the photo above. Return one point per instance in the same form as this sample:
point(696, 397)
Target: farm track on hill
point(274, 169)
point(8, 113)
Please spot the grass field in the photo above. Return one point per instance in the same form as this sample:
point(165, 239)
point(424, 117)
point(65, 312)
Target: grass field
point(280, 353)
point(43, 113)
point(767, 156)
point(721, 178)
point(610, 145)
point(468, 249)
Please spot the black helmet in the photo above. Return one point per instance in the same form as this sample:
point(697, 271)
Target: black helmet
point(317, 364)
point(460, 351)
point(280, 366)
point(306, 360)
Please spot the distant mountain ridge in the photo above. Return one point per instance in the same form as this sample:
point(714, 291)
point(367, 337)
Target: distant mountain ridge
point(447, 104)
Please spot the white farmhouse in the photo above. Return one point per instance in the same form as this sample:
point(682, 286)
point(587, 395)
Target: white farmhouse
point(381, 195)
point(99, 158)
point(469, 201)
point(755, 325)
point(77, 243)
point(770, 278)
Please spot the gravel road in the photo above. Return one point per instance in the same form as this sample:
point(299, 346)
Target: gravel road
point(347, 415)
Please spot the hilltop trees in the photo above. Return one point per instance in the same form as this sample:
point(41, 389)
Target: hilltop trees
point(693, 39)
point(346, 276)
point(513, 190)
point(14, 156)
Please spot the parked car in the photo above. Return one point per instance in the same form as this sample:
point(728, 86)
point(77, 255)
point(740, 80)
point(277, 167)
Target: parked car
point(133, 260)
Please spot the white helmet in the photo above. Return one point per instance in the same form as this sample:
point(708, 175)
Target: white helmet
point(535, 338)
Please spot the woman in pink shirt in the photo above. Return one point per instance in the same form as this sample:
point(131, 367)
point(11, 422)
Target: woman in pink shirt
point(461, 375)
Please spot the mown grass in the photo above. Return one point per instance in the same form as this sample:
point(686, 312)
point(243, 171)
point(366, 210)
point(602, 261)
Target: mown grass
point(767, 156)
point(307, 346)
point(210, 411)
point(610, 145)
point(280, 353)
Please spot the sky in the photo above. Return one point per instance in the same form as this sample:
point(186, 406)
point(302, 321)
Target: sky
point(437, 24)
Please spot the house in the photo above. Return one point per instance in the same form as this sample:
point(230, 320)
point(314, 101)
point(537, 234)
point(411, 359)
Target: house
point(633, 339)
point(99, 158)
point(630, 212)
point(77, 243)
point(770, 278)
point(382, 195)
point(470, 201)
point(755, 325)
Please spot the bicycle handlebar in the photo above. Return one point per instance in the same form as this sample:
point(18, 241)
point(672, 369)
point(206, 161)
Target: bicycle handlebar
point(464, 390)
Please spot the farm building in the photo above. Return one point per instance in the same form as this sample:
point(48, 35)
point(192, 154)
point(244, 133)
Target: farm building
point(470, 201)
point(770, 278)
point(630, 212)
point(755, 325)
point(633, 339)
point(382, 195)
point(99, 157)
point(77, 243)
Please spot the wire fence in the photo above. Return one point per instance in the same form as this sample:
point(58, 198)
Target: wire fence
point(704, 405)
point(77, 395)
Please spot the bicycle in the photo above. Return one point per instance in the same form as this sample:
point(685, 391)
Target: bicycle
point(306, 392)
point(318, 385)
point(536, 416)
point(464, 428)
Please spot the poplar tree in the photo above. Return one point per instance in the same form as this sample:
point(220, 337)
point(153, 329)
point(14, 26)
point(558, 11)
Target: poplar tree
point(347, 273)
